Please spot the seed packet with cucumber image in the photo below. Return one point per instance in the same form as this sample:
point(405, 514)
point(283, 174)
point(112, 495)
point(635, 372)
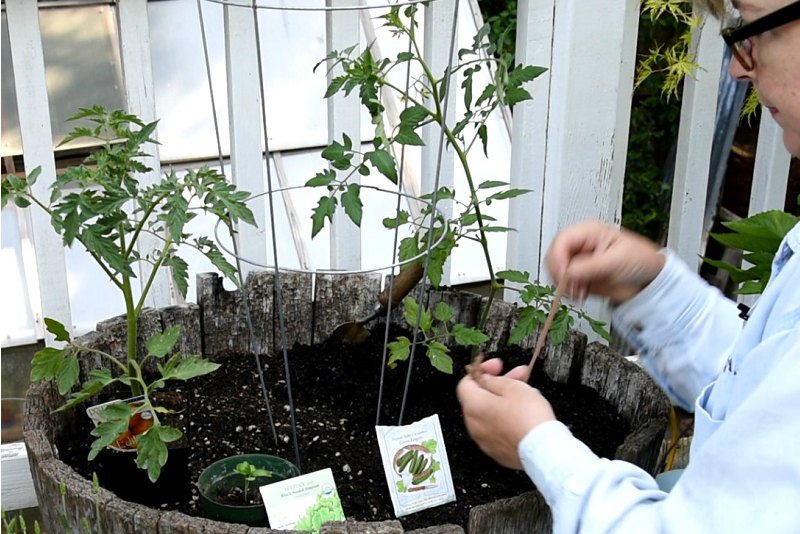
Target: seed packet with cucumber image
point(416, 466)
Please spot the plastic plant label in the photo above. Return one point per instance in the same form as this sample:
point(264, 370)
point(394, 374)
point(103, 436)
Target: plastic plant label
point(302, 503)
point(138, 425)
point(416, 465)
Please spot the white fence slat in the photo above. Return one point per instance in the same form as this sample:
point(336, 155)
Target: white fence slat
point(32, 102)
point(770, 175)
point(695, 137)
point(529, 139)
point(438, 33)
point(134, 38)
point(583, 166)
point(583, 115)
point(17, 485)
point(244, 111)
point(342, 30)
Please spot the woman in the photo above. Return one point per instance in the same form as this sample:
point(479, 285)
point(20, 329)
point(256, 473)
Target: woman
point(740, 377)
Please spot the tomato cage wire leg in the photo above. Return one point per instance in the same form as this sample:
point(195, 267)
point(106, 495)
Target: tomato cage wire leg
point(245, 300)
point(277, 271)
point(435, 199)
point(394, 248)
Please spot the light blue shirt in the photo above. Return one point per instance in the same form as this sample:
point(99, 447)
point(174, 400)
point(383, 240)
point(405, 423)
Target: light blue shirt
point(742, 380)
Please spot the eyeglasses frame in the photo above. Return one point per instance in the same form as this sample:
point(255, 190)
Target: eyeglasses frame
point(734, 36)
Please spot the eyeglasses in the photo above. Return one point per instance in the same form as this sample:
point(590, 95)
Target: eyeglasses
point(738, 36)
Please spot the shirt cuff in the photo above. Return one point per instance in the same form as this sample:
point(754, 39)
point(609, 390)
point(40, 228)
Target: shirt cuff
point(556, 461)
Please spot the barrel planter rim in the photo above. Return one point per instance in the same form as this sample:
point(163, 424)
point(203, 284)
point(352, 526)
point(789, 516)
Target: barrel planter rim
point(42, 426)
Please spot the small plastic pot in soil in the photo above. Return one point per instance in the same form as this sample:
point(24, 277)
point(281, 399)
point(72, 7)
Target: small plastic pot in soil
point(219, 481)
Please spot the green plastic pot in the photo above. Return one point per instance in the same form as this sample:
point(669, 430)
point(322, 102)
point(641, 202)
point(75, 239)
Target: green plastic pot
point(221, 476)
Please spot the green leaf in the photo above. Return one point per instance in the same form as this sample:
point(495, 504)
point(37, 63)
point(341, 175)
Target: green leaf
point(384, 162)
point(188, 367)
point(443, 312)
point(483, 133)
point(748, 242)
point(351, 201)
point(562, 322)
point(773, 224)
point(335, 85)
point(525, 74)
point(498, 229)
point(399, 351)
point(487, 93)
point(407, 136)
point(599, 328)
point(402, 218)
point(408, 248)
point(58, 330)
point(529, 320)
point(322, 178)
point(522, 277)
point(404, 56)
point(98, 379)
point(180, 272)
point(488, 184)
point(159, 345)
point(515, 95)
point(509, 193)
point(411, 310)
point(68, 371)
point(46, 363)
point(324, 210)
point(334, 152)
point(439, 355)
point(176, 217)
point(412, 116)
point(468, 336)
point(151, 451)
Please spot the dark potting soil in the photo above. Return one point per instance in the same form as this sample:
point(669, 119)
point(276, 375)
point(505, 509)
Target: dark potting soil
point(336, 389)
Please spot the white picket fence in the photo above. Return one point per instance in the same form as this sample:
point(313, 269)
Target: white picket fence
point(567, 145)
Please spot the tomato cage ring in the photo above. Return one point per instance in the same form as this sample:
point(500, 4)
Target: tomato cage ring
point(434, 212)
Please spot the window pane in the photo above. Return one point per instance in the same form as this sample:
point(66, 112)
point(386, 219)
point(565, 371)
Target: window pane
point(82, 66)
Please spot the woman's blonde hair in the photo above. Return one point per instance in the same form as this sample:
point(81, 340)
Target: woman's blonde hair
point(715, 7)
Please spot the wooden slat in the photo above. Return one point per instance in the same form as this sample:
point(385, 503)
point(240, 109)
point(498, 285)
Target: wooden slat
point(583, 115)
point(342, 29)
point(17, 488)
point(695, 137)
point(771, 172)
point(244, 108)
point(32, 103)
point(529, 139)
point(134, 38)
point(438, 29)
point(580, 150)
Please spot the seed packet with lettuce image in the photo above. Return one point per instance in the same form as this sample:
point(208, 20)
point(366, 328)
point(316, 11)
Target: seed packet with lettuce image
point(303, 503)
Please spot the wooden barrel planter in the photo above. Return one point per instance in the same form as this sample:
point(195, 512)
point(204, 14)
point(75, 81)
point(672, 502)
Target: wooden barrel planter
point(68, 501)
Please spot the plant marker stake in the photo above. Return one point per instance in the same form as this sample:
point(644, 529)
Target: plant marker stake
point(547, 323)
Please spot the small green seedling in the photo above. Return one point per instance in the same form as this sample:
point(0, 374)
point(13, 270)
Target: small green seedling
point(250, 474)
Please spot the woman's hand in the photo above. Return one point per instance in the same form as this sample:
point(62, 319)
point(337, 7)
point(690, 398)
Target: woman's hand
point(500, 410)
point(600, 259)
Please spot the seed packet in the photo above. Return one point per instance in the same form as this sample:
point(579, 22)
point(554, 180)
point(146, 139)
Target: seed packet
point(416, 466)
point(302, 503)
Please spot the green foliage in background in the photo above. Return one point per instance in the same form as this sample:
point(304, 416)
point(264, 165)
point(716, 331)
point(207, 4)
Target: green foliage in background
point(759, 237)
